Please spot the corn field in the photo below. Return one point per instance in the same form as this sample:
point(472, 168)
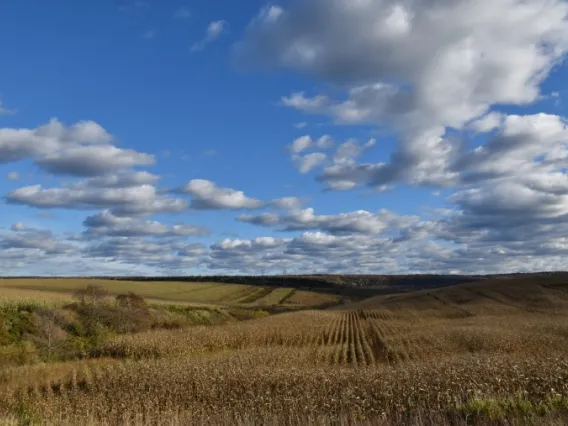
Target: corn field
point(362, 366)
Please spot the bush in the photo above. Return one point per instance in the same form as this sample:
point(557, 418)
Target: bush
point(91, 295)
point(18, 354)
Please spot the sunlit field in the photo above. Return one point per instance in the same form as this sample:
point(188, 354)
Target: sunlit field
point(488, 353)
point(168, 292)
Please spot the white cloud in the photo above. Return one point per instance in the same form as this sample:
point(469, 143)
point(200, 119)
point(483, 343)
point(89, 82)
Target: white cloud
point(523, 145)
point(308, 162)
point(425, 72)
point(13, 176)
point(306, 142)
point(19, 226)
point(82, 149)
point(206, 195)
point(121, 180)
point(349, 151)
point(35, 242)
point(418, 68)
point(213, 32)
point(343, 172)
point(310, 105)
point(361, 221)
point(301, 144)
point(107, 224)
point(286, 203)
point(133, 200)
point(161, 255)
point(93, 160)
point(488, 122)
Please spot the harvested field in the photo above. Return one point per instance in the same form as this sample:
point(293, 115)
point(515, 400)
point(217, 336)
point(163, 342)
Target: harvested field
point(208, 293)
point(453, 357)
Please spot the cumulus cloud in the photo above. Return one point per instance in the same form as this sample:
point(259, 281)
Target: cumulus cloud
point(349, 151)
point(306, 163)
point(312, 252)
point(360, 221)
point(523, 145)
point(87, 161)
point(430, 73)
point(418, 68)
point(35, 242)
point(206, 195)
point(122, 180)
point(342, 172)
point(306, 142)
point(286, 203)
point(414, 251)
point(487, 123)
point(107, 224)
point(82, 149)
point(161, 254)
point(213, 32)
point(133, 200)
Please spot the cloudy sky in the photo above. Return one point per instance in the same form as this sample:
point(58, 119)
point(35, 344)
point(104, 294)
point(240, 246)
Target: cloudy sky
point(306, 136)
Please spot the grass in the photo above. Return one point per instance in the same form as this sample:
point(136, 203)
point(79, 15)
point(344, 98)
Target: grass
point(486, 354)
point(309, 298)
point(33, 331)
point(18, 294)
point(162, 291)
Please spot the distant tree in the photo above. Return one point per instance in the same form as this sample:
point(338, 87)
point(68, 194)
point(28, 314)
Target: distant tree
point(93, 308)
point(48, 335)
point(133, 313)
point(131, 301)
point(91, 295)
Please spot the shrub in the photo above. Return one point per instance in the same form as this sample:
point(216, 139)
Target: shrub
point(18, 354)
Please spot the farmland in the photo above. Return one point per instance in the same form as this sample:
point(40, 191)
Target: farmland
point(212, 293)
point(491, 352)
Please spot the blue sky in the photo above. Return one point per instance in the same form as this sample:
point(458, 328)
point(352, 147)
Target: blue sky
point(210, 97)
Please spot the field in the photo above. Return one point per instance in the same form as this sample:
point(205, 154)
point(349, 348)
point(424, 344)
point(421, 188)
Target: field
point(208, 293)
point(492, 352)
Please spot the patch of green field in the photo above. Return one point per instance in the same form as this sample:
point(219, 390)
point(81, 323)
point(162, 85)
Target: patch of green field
point(275, 297)
point(255, 296)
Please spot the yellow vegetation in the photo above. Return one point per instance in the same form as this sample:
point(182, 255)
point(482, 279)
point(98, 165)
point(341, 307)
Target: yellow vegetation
point(194, 293)
point(428, 358)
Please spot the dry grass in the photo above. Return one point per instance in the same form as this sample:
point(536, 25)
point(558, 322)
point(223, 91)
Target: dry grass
point(419, 359)
point(275, 297)
point(158, 291)
point(17, 295)
point(309, 298)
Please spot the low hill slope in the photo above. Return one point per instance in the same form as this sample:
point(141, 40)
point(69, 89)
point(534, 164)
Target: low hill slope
point(546, 293)
point(208, 293)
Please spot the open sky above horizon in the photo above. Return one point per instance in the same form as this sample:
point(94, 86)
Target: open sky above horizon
point(300, 136)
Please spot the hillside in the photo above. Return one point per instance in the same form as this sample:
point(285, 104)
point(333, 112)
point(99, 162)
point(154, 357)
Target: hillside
point(530, 292)
point(485, 352)
point(195, 293)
